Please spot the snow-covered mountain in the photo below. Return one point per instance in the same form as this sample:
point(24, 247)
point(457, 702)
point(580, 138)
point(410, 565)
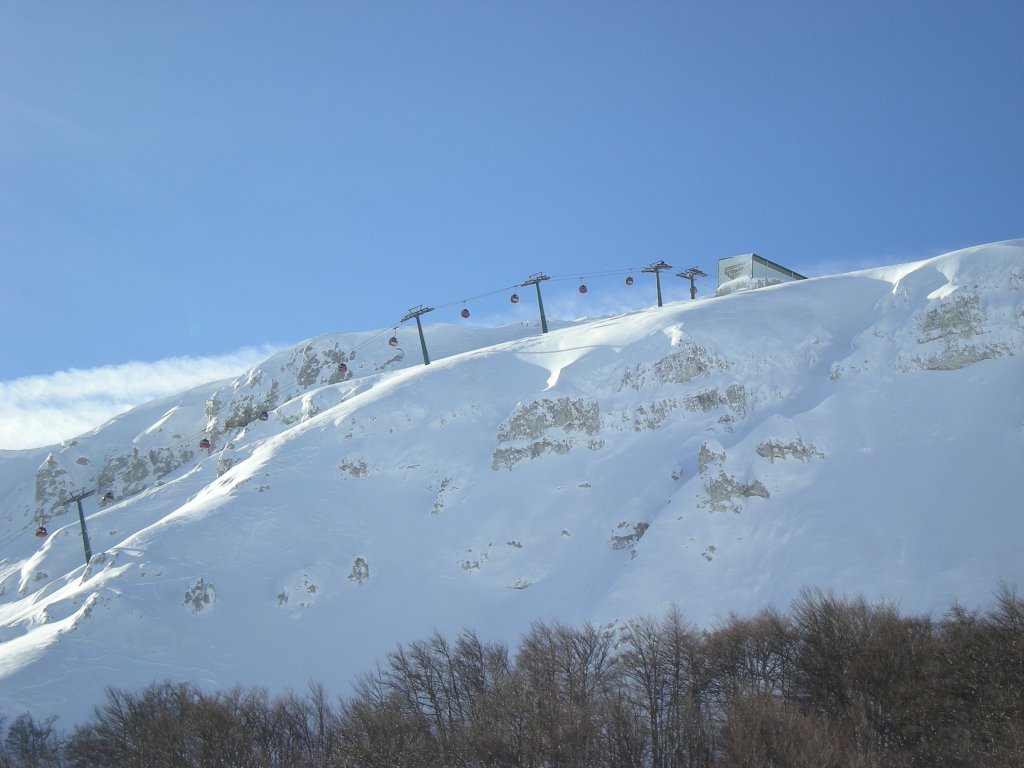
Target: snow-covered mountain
point(863, 432)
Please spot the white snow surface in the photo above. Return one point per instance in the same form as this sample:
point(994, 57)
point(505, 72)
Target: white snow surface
point(862, 433)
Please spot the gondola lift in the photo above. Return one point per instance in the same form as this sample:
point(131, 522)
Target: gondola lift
point(629, 280)
point(108, 498)
point(204, 444)
point(464, 313)
point(393, 341)
point(41, 532)
point(583, 288)
point(514, 298)
point(264, 416)
point(342, 369)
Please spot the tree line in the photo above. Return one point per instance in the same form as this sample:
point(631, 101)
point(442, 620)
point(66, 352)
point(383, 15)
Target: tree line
point(832, 682)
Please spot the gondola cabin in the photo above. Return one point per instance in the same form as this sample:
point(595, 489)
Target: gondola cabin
point(514, 298)
point(204, 444)
point(264, 416)
point(41, 532)
point(393, 341)
point(629, 280)
point(464, 313)
point(108, 498)
point(583, 289)
point(342, 369)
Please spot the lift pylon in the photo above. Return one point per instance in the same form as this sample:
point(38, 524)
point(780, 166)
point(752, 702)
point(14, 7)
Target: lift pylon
point(536, 279)
point(656, 268)
point(691, 274)
point(77, 498)
point(416, 312)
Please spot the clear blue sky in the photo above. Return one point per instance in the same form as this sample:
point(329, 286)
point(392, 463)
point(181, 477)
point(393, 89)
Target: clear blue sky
point(193, 178)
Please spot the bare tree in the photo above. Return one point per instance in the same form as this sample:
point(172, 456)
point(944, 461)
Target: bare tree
point(752, 657)
point(567, 673)
point(377, 728)
point(835, 683)
point(33, 744)
point(761, 731)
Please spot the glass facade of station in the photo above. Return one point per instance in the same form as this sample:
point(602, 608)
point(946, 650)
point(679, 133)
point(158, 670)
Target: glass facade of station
point(749, 271)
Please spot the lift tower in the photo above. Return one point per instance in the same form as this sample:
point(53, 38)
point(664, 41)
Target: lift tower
point(416, 312)
point(77, 498)
point(656, 268)
point(692, 273)
point(535, 280)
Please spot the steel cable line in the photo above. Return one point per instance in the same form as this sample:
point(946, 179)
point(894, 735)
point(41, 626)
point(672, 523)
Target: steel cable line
point(351, 352)
point(478, 296)
point(585, 275)
point(557, 278)
point(18, 533)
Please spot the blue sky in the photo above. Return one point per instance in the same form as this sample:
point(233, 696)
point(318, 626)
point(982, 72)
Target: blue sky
point(192, 179)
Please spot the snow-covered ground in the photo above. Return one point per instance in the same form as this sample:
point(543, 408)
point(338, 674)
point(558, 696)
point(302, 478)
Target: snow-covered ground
point(863, 432)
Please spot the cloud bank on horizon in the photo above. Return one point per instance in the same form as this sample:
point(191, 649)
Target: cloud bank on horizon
point(37, 411)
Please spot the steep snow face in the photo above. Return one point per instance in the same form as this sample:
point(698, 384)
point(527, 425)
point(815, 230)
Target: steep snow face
point(862, 432)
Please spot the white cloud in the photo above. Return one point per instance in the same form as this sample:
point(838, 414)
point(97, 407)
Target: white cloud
point(43, 410)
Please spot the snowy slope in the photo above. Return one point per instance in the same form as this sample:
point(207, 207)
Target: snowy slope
point(863, 432)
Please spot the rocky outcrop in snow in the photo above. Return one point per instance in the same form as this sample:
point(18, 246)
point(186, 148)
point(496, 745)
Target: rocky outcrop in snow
point(546, 426)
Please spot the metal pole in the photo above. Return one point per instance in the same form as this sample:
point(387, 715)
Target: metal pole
point(416, 312)
point(691, 274)
point(85, 533)
point(423, 342)
point(540, 305)
point(77, 498)
point(535, 281)
point(656, 269)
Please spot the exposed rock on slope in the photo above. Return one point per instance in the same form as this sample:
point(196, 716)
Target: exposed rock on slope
point(861, 432)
